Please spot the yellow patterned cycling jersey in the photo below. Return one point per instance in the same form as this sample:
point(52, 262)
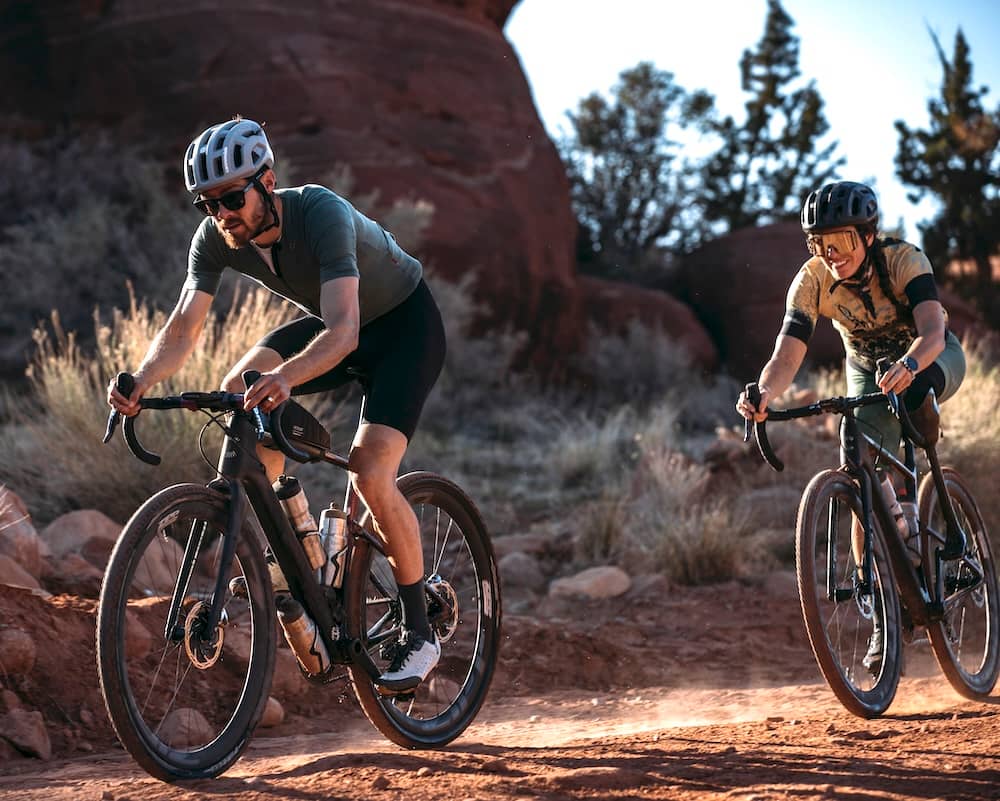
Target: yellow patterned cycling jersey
point(871, 325)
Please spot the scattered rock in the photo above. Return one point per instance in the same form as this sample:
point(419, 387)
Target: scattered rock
point(596, 583)
point(274, 713)
point(138, 640)
point(25, 730)
point(17, 652)
point(534, 544)
point(424, 771)
point(18, 538)
point(74, 575)
point(9, 700)
point(71, 533)
point(184, 728)
point(14, 575)
point(380, 783)
point(521, 570)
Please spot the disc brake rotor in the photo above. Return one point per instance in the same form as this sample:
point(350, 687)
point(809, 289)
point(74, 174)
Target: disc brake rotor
point(443, 611)
point(202, 652)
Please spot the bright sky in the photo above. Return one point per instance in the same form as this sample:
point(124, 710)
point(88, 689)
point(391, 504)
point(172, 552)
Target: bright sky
point(873, 62)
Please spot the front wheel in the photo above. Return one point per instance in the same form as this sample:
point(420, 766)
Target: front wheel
point(966, 641)
point(463, 609)
point(854, 630)
point(184, 697)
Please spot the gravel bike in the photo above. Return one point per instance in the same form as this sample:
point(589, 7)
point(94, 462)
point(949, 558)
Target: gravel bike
point(186, 623)
point(861, 601)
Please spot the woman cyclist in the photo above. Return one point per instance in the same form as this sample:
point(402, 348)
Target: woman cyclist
point(881, 296)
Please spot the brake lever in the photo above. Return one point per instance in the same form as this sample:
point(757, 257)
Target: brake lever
point(124, 383)
point(260, 424)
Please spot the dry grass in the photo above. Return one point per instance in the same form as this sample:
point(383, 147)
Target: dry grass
point(53, 454)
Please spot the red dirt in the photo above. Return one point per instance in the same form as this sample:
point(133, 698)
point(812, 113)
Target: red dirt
point(673, 693)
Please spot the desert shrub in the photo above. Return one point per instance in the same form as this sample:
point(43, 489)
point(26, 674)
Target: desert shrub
point(53, 457)
point(92, 215)
point(644, 366)
point(653, 510)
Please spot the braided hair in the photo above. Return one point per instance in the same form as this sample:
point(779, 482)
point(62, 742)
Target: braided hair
point(875, 254)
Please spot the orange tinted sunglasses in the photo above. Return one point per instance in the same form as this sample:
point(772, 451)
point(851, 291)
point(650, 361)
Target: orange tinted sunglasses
point(840, 241)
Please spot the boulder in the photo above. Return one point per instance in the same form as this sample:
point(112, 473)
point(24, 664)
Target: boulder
point(14, 575)
point(18, 538)
point(25, 730)
point(521, 570)
point(17, 652)
point(611, 306)
point(274, 713)
point(85, 531)
point(185, 728)
point(594, 583)
point(736, 285)
point(422, 100)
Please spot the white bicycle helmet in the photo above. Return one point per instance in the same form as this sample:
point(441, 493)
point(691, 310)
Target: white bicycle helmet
point(234, 149)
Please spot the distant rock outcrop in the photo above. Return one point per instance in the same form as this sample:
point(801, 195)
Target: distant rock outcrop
point(737, 283)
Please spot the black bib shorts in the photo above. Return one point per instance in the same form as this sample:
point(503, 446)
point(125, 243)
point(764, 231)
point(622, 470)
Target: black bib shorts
point(398, 359)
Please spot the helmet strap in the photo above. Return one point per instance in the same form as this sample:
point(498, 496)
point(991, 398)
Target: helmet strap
point(269, 199)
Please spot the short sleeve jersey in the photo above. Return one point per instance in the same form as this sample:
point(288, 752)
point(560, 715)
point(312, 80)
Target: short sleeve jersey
point(869, 323)
point(323, 237)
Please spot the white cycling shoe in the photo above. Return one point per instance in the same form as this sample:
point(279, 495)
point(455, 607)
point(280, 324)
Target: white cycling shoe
point(412, 661)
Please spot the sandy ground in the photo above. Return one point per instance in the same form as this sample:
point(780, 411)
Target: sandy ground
point(704, 693)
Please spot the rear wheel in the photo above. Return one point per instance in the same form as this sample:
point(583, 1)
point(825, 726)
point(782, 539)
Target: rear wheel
point(463, 607)
point(966, 640)
point(184, 699)
point(854, 631)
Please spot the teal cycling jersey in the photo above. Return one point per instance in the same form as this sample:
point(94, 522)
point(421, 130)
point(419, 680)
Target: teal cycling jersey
point(323, 237)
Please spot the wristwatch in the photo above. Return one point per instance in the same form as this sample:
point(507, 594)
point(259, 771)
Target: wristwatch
point(910, 364)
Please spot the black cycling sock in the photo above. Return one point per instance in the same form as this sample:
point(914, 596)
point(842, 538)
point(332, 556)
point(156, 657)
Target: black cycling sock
point(415, 609)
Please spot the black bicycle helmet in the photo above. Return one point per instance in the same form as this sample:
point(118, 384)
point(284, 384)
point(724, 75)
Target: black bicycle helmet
point(839, 204)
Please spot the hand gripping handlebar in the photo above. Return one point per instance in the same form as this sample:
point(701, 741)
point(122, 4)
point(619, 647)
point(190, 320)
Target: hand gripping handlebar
point(759, 430)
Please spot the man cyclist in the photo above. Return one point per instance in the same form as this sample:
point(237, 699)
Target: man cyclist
point(881, 297)
point(367, 308)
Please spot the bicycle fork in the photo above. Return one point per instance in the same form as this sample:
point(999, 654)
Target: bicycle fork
point(235, 516)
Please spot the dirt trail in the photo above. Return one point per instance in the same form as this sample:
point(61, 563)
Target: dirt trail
point(754, 744)
point(679, 693)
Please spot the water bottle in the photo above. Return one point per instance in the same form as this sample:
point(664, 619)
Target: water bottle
point(302, 635)
point(293, 501)
point(910, 515)
point(333, 533)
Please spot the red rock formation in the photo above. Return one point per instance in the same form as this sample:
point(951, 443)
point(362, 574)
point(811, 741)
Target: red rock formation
point(610, 305)
point(421, 98)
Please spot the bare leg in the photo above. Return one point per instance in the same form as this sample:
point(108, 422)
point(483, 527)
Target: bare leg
point(375, 456)
point(263, 360)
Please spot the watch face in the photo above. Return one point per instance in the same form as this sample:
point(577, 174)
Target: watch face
point(910, 363)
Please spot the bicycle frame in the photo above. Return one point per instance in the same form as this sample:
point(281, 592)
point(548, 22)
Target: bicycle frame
point(857, 451)
point(243, 478)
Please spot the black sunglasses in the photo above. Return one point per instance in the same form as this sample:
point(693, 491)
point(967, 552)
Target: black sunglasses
point(234, 201)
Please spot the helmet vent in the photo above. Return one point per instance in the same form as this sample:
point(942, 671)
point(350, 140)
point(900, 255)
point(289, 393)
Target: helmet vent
point(238, 156)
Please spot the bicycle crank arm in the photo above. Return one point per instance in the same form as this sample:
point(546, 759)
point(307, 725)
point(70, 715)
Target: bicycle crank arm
point(359, 656)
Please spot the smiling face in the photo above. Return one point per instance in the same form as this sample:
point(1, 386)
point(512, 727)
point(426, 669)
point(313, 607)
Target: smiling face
point(842, 250)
